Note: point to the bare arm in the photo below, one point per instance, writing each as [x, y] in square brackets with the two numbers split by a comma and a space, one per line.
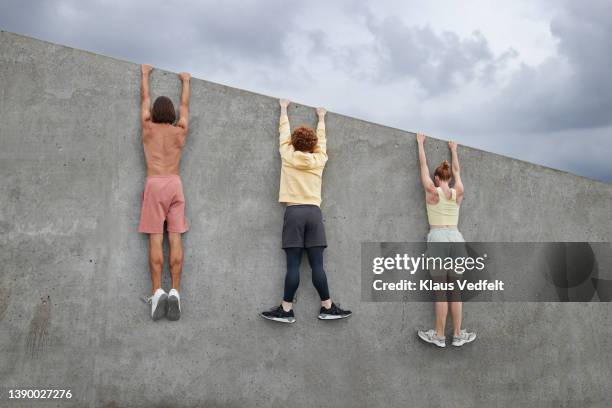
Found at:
[428, 184]
[456, 171]
[183, 121]
[145, 98]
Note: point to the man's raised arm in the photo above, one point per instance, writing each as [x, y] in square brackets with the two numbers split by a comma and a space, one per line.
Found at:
[145, 98]
[183, 121]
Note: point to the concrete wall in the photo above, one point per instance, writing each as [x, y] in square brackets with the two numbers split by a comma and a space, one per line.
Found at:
[72, 265]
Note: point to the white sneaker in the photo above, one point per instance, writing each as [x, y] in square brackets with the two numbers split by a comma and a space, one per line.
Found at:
[174, 305]
[464, 337]
[159, 304]
[431, 337]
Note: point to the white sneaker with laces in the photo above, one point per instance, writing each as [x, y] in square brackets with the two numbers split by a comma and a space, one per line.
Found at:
[431, 337]
[159, 304]
[464, 337]
[174, 305]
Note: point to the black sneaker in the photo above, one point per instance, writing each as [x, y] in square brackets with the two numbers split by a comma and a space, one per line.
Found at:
[333, 313]
[278, 314]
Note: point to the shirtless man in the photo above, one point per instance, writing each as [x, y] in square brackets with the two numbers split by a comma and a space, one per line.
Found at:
[163, 198]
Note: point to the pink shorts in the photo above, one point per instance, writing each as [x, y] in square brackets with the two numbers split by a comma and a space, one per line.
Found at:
[163, 200]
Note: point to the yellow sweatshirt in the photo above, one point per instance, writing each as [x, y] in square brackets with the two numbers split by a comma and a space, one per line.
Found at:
[301, 173]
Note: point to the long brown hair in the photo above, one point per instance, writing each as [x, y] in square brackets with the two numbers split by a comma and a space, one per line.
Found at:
[163, 111]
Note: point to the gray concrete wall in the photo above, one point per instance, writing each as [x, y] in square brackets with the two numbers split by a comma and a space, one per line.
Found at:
[72, 265]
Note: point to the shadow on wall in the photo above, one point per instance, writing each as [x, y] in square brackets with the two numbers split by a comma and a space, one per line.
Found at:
[574, 269]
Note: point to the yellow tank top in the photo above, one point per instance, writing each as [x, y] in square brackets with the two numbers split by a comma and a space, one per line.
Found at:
[446, 211]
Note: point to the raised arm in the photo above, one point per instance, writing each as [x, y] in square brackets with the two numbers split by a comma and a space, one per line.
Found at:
[320, 149]
[183, 121]
[145, 98]
[428, 184]
[284, 129]
[456, 171]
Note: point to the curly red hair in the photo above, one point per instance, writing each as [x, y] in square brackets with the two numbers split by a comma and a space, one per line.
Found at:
[304, 139]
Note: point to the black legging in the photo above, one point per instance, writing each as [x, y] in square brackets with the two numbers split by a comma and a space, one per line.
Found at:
[292, 279]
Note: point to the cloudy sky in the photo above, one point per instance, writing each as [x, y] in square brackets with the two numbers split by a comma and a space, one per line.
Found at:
[531, 79]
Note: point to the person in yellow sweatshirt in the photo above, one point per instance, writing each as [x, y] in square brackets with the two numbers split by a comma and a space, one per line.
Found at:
[303, 156]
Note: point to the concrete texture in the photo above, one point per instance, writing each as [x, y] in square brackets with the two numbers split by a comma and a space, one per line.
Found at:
[73, 266]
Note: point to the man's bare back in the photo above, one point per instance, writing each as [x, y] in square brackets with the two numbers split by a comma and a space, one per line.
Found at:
[163, 145]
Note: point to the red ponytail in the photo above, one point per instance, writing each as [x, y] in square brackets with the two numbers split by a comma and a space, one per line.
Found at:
[443, 171]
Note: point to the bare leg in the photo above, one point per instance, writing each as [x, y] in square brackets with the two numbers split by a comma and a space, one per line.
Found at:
[441, 312]
[156, 259]
[456, 315]
[287, 306]
[176, 259]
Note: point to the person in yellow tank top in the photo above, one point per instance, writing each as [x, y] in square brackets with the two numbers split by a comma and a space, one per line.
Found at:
[444, 239]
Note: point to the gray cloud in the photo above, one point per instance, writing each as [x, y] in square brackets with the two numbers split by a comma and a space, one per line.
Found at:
[438, 62]
[570, 90]
[217, 35]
